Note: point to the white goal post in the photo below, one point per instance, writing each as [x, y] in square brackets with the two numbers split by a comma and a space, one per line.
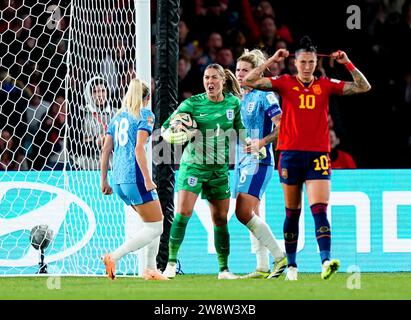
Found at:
[65, 68]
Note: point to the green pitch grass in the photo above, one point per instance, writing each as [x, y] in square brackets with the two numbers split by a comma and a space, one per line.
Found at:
[206, 287]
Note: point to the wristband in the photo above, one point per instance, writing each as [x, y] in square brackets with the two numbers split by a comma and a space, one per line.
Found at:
[350, 66]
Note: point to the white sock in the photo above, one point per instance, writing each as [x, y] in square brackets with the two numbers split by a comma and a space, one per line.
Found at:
[147, 234]
[261, 254]
[262, 232]
[151, 254]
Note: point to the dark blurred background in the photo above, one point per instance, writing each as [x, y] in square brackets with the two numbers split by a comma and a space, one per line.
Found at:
[373, 127]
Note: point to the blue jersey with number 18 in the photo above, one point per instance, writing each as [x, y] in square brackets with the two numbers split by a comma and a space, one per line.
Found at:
[124, 128]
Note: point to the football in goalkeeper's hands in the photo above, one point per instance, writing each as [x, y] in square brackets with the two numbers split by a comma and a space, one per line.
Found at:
[183, 122]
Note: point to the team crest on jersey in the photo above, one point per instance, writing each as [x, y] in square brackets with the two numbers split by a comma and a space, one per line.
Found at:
[271, 98]
[150, 121]
[284, 173]
[250, 107]
[317, 89]
[192, 181]
[230, 114]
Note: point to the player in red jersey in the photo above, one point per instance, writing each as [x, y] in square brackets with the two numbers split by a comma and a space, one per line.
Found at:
[304, 142]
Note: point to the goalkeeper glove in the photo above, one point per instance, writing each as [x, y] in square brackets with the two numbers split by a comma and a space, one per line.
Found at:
[174, 137]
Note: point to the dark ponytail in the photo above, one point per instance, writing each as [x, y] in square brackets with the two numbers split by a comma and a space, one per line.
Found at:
[306, 45]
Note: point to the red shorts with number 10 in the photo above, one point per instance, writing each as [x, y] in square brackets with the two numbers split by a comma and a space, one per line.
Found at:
[295, 167]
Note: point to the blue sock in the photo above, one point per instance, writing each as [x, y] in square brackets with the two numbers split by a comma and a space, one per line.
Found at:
[290, 229]
[322, 230]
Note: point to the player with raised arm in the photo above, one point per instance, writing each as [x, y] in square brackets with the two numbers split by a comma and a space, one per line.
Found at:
[205, 161]
[127, 135]
[259, 111]
[304, 142]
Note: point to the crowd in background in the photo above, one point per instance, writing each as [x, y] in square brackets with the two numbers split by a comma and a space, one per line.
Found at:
[34, 103]
[368, 126]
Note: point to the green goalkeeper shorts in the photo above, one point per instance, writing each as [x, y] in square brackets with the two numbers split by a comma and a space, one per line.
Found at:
[213, 185]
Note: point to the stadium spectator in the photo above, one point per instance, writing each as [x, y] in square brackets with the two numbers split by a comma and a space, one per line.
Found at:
[5, 138]
[248, 23]
[258, 110]
[187, 44]
[12, 153]
[13, 158]
[47, 151]
[289, 67]
[339, 158]
[265, 9]
[188, 80]
[184, 67]
[6, 152]
[115, 64]
[237, 41]
[212, 10]
[37, 109]
[305, 100]
[89, 124]
[269, 37]
[206, 171]
[14, 97]
[127, 136]
[251, 17]
[214, 43]
[225, 58]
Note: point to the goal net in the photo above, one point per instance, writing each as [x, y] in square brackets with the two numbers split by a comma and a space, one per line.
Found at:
[65, 67]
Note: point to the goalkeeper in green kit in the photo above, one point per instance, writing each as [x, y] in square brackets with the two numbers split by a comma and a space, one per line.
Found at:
[205, 161]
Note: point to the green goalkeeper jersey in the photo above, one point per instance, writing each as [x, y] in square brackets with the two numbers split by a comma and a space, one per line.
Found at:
[219, 124]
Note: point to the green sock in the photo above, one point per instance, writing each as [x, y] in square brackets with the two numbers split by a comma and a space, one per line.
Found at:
[222, 246]
[177, 232]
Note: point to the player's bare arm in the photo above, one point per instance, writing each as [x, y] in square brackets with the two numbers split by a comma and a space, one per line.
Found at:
[141, 158]
[253, 146]
[105, 155]
[254, 80]
[360, 83]
[273, 136]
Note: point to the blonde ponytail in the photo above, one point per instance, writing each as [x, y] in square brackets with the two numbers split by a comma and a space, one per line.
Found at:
[132, 101]
[254, 57]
